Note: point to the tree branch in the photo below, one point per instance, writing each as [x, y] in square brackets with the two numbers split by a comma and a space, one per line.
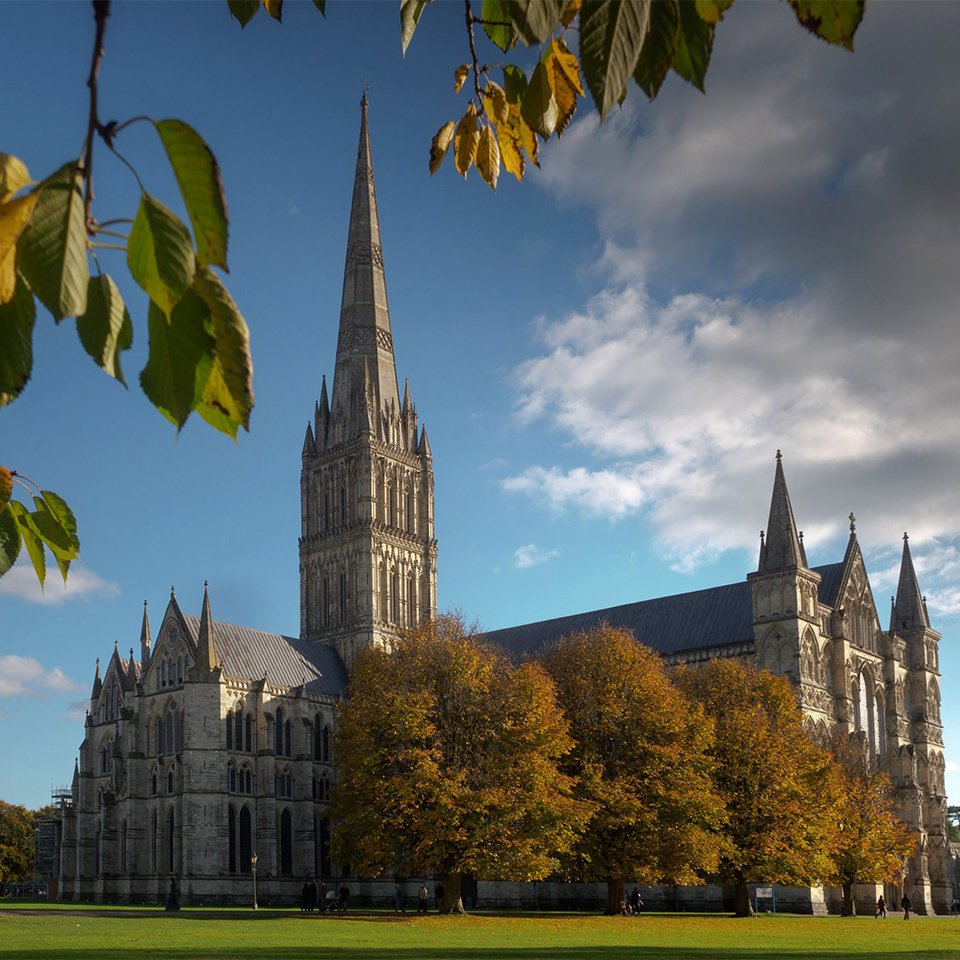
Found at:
[101, 10]
[473, 53]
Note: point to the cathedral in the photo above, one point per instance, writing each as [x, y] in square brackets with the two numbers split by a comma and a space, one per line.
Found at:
[209, 760]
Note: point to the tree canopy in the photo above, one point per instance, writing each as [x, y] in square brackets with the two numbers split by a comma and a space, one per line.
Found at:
[449, 763]
[16, 842]
[640, 760]
[869, 842]
[775, 783]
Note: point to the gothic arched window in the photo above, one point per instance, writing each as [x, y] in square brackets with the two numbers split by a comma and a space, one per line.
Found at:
[278, 733]
[285, 834]
[231, 839]
[246, 839]
[171, 859]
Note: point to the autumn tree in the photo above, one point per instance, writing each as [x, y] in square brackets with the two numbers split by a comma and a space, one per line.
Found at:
[640, 760]
[54, 245]
[16, 843]
[772, 778]
[869, 841]
[449, 763]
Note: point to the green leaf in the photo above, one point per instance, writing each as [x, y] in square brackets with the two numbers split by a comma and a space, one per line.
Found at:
[63, 545]
[52, 251]
[105, 329]
[53, 504]
[835, 21]
[181, 357]
[694, 47]
[9, 541]
[244, 10]
[159, 253]
[14, 176]
[228, 396]
[16, 343]
[514, 83]
[198, 176]
[539, 108]
[611, 38]
[533, 20]
[712, 11]
[496, 24]
[31, 540]
[410, 12]
[659, 48]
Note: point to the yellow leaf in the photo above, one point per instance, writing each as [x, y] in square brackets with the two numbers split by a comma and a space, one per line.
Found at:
[274, 8]
[564, 93]
[440, 145]
[568, 63]
[570, 11]
[511, 148]
[465, 141]
[13, 218]
[13, 176]
[488, 157]
[528, 138]
[495, 102]
[6, 487]
[460, 76]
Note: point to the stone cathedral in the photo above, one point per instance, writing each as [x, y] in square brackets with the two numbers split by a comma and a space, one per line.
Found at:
[217, 743]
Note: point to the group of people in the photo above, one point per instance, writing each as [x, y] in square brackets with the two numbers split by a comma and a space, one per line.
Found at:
[423, 897]
[314, 896]
[631, 903]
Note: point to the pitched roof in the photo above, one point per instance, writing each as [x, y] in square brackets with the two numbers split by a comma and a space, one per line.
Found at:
[687, 621]
[284, 661]
[830, 576]
[716, 617]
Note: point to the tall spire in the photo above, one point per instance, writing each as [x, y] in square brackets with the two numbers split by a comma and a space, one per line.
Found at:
[145, 638]
[97, 683]
[782, 549]
[365, 334]
[206, 653]
[909, 609]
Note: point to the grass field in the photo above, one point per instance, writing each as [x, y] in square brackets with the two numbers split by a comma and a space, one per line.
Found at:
[271, 935]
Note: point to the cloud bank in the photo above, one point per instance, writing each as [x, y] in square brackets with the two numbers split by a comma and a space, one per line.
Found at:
[779, 260]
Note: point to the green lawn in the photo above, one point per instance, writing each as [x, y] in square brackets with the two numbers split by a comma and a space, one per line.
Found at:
[271, 935]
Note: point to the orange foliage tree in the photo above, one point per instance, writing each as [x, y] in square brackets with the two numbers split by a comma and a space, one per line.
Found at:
[775, 783]
[449, 764]
[641, 762]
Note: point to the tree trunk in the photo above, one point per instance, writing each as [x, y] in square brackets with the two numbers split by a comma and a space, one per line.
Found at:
[742, 907]
[614, 897]
[452, 901]
[849, 906]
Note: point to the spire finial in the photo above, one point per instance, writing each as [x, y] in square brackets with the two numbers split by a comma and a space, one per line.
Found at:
[116, 645]
[779, 456]
[800, 534]
[173, 594]
[905, 537]
[853, 522]
[761, 538]
[363, 99]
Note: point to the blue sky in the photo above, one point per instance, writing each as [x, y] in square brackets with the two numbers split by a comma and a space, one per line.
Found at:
[606, 358]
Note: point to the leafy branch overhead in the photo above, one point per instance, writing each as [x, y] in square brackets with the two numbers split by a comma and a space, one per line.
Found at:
[618, 40]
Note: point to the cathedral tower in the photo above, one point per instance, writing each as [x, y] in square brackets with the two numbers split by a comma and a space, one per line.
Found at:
[368, 557]
[785, 599]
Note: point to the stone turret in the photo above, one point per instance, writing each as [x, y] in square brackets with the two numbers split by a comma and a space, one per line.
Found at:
[785, 601]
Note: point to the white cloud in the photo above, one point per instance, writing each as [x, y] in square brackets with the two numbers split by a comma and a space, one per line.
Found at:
[781, 263]
[951, 766]
[21, 582]
[530, 555]
[27, 677]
